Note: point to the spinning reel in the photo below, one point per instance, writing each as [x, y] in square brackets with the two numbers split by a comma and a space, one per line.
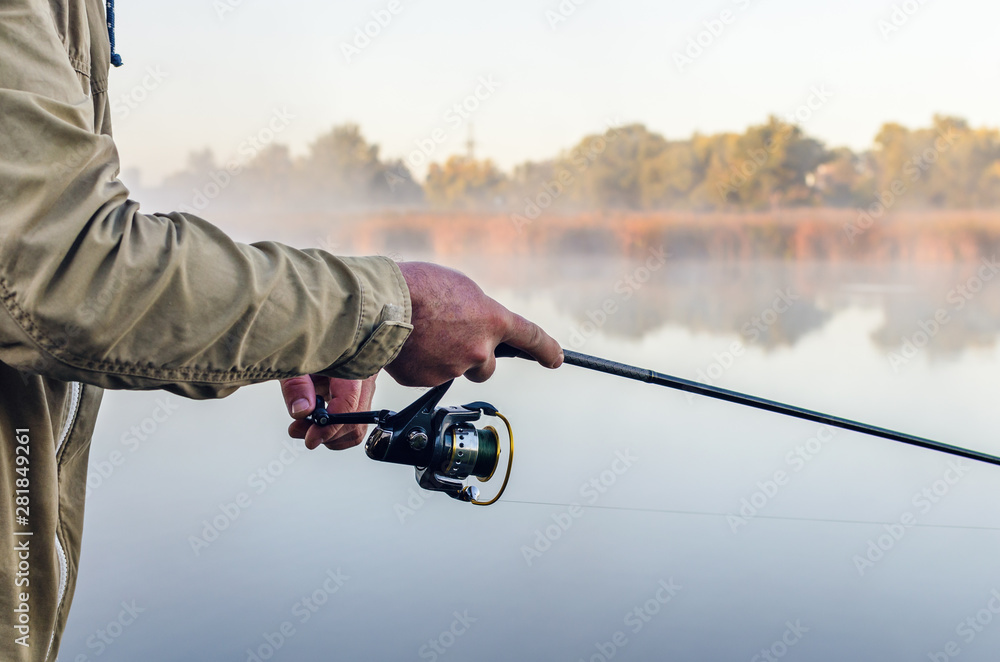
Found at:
[445, 447]
[443, 444]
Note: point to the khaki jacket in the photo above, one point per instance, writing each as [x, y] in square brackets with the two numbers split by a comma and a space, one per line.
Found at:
[95, 294]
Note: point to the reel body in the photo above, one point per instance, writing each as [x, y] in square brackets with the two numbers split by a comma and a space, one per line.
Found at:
[443, 444]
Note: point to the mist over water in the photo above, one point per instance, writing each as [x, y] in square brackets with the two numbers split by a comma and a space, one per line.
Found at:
[704, 530]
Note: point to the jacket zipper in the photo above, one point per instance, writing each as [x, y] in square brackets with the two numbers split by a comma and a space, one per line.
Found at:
[76, 390]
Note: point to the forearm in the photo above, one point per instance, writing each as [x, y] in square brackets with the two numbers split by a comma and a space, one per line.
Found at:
[93, 290]
[136, 301]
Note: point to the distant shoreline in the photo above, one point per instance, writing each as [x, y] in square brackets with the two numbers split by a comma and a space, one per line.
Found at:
[812, 234]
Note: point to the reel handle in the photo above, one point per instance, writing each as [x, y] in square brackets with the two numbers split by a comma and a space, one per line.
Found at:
[320, 416]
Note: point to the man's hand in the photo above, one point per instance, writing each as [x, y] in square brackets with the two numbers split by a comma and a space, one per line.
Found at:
[456, 329]
[342, 395]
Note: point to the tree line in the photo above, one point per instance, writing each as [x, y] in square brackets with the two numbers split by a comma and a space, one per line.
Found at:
[947, 165]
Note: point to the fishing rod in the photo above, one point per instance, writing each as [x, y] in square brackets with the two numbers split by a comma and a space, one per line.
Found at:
[659, 379]
[445, 446]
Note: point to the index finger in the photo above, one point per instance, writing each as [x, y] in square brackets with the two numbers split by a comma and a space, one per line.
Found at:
[530, 338]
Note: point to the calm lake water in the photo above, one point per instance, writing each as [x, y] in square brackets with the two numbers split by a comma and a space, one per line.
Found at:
[705, 531]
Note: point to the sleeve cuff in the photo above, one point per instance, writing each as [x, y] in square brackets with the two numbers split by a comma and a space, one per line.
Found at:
[384, 322]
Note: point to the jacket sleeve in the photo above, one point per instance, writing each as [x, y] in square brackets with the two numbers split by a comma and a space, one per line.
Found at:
[93, 290]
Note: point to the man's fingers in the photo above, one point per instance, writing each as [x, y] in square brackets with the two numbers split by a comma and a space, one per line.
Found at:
[298, 429]
[346, 396]
[367, 394]
[483, 371]
[352, 438]
[317, 435]
[300, 395]
[529, 337]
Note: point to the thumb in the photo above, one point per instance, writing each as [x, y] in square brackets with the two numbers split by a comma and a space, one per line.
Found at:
[530, 338]
[300, 395]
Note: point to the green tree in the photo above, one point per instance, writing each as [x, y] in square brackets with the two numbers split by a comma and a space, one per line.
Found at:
[463, 183]
[342, 164]
[846, 179]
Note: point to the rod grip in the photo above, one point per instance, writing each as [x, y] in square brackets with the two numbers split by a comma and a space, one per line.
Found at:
[505, 351]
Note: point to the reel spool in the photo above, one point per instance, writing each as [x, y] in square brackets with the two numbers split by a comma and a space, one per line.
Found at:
[443, 444]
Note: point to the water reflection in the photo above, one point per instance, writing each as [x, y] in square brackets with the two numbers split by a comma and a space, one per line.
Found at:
[534, 579]
[735, 298]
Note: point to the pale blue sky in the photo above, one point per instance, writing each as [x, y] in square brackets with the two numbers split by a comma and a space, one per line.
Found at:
[225, 76]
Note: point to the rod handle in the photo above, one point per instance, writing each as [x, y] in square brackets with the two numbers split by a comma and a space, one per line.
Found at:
[505, 351]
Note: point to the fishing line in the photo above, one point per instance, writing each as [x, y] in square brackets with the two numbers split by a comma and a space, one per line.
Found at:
[704, 513]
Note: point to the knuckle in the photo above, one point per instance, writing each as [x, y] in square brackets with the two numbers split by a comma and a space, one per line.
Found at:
[479, 356]
[330, 432]
[480, 374]
[537, 336]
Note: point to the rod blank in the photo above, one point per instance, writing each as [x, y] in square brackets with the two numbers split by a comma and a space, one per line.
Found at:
[660, 379]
